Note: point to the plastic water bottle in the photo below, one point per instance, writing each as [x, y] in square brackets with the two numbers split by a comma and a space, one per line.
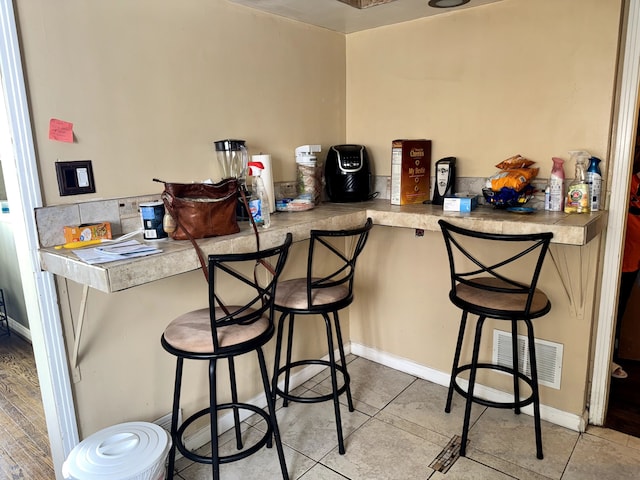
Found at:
[259, 206]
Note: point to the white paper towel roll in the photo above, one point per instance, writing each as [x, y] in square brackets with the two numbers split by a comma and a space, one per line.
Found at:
[267, 178]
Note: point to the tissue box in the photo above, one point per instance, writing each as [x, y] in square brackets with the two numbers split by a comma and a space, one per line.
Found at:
[461, 203]
[87, 231]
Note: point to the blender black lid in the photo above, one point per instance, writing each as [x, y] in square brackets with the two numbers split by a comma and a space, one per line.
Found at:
[226, 145]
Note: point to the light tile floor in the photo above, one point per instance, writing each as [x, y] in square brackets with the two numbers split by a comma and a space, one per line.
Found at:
[399, 427]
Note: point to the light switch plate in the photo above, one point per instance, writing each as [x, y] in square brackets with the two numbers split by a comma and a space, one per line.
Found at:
[75, 178]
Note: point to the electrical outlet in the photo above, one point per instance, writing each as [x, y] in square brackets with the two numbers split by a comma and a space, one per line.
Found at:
[129, 207]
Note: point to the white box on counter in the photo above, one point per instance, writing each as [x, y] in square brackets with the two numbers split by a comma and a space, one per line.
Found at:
[460, 203]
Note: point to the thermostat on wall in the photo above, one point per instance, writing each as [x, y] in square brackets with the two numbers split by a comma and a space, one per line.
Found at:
[75, 178]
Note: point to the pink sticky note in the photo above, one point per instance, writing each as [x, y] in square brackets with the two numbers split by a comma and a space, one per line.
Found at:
[60, 130]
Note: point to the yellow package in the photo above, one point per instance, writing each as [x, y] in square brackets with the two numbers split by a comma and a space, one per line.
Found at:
[517, 178]
[87, 231]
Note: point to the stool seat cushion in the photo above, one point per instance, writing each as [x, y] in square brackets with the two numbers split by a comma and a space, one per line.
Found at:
[191, 332]
[484, 298]
[292, 294]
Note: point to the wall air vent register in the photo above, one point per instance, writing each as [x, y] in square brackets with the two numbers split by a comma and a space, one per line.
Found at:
[548, 356]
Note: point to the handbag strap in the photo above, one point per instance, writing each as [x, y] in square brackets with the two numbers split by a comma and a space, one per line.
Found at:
[167, 199]
[243, 190]
[262, 262]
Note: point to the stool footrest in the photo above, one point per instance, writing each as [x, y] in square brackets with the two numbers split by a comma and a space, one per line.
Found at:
[490, 403]
[245, 452]
[318, 398]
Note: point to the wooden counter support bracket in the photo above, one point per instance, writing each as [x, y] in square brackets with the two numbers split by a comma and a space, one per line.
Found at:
[75, 369]
[574, 280]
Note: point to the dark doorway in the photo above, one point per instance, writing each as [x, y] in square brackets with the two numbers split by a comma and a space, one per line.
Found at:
[623, 411]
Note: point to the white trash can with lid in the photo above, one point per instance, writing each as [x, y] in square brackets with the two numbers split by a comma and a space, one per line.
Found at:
[128, 451]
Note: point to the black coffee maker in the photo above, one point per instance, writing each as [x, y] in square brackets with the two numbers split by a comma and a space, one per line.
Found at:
[347, 173]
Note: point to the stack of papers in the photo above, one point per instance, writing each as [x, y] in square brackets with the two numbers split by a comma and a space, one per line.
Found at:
[117, 251]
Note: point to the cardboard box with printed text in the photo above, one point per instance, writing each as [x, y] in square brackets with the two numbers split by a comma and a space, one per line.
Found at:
[410, 171]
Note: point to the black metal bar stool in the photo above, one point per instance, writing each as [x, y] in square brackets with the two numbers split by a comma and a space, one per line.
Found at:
[4, 320]
[320, 294]
[225, 331]
[486, 287]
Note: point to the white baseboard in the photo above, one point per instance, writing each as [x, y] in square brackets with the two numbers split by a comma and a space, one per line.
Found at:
[20, 329]
[558, 417]
[550, 414]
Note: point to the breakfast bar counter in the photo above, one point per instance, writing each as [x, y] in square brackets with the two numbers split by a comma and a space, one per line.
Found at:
[179, 256]
[572, 244]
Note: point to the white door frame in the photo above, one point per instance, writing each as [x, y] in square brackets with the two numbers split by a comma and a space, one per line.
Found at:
[23, 193]
[23, 190]
[622, 153]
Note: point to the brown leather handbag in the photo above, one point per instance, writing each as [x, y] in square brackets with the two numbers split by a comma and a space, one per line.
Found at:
[202, 210]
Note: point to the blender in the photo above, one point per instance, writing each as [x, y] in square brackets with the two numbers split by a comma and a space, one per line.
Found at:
[232, 158]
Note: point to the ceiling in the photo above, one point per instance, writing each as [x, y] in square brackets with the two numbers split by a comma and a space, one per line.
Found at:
[340, 17]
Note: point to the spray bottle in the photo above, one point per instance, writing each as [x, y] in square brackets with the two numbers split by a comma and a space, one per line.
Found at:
[259, 205]
[594, 179]
[578, 200]
[556, 186]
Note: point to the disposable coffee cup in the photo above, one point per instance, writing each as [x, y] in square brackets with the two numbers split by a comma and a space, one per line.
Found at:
[152, 214]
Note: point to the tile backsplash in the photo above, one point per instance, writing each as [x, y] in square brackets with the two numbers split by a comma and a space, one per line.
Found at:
[470, 185]
[122, 213]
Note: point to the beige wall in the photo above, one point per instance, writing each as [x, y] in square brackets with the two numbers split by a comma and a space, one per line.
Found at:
[535, 78]
[150, 84]
[406, 312]
[518, 76]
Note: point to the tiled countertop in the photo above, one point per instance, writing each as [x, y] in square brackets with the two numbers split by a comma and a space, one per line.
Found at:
[179, 256]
